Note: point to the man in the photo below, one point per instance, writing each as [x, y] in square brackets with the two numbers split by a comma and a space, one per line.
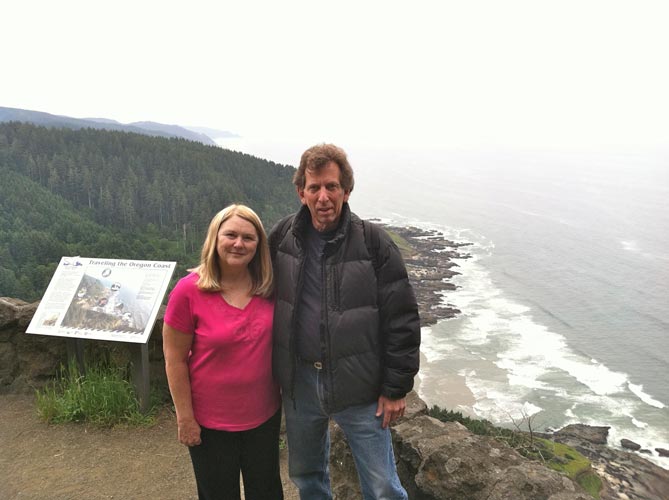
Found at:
[346, 331]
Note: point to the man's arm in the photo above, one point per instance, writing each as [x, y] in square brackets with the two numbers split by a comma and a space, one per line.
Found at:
[400, 327]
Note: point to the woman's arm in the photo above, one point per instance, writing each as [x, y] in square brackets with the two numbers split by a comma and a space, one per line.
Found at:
[176, 346]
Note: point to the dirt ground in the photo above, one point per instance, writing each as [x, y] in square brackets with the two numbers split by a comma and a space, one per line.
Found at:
[73, 461]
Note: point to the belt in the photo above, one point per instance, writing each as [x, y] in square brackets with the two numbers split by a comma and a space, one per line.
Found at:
[316, 364]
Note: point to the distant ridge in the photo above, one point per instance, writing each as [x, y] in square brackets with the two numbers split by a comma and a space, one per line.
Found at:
[145, 128]
[214, 133]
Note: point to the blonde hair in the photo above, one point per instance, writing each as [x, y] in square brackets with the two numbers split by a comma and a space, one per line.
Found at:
[260, 267]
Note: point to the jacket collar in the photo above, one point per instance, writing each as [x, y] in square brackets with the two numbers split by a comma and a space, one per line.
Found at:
[303, 217]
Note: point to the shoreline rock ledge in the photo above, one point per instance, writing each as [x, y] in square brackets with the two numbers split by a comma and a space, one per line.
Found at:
[625, 474]
[430, 263]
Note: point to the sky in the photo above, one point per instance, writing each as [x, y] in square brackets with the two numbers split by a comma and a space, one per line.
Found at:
[421, 74]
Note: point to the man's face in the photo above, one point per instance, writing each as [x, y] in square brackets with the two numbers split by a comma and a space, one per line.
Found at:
[324, 196]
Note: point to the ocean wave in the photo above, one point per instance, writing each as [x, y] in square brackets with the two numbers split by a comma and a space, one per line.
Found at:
[638, 391]
[432, 348]
[524, 348]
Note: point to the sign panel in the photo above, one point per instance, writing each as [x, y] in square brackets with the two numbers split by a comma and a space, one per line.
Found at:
[103, 299]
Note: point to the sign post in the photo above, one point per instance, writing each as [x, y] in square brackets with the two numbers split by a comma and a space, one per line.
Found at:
[140, 375]
[105, 299]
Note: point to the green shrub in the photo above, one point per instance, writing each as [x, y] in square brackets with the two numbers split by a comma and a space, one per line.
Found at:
[102, 396]
[480, 427]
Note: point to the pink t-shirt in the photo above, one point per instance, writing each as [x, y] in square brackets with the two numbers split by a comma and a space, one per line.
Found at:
[230, 361]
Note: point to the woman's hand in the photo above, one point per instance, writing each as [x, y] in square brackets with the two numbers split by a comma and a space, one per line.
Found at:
[189, 432]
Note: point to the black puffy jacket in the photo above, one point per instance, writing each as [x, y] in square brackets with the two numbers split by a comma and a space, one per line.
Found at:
[370, 329]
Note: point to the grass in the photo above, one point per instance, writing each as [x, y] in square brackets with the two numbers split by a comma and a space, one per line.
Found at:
[570, 462]
[103, 397]
[556, 456]
[404, 246]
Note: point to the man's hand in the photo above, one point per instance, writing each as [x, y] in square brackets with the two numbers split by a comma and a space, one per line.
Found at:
[391, 409]
[189, 432]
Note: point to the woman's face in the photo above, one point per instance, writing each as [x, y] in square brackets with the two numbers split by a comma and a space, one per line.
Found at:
[236, 243]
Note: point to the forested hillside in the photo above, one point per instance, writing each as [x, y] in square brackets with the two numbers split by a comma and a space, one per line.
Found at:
[120, 195]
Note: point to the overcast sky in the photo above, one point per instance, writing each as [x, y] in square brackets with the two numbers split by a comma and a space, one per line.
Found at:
[459, 74]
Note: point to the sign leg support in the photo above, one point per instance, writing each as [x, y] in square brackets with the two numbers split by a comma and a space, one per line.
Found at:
[75, 352]
[140, 375]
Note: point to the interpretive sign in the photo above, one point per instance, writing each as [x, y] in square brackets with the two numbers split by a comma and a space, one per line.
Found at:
[103, 299]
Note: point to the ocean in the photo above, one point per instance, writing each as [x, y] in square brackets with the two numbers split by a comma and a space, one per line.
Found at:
[565, 299]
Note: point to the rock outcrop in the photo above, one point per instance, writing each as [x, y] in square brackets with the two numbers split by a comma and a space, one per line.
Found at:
[26, 361]
[438, 460]
[443, 461]
[626, 475]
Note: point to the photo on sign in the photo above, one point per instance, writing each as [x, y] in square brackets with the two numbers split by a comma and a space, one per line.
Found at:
[105, 303]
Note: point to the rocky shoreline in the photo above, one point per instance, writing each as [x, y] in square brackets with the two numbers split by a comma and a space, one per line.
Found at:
[430, 266]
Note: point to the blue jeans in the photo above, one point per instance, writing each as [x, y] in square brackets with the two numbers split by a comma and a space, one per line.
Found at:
[309, 443]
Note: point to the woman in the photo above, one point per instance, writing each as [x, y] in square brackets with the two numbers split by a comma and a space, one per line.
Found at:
[217, 339]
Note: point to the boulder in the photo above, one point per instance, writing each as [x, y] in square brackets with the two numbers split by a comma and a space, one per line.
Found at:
[437, 460]
[8, 308]
[581, 432]
[630, 445]
[440, 460]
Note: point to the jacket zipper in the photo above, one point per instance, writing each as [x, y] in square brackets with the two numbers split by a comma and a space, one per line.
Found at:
[325, 332]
